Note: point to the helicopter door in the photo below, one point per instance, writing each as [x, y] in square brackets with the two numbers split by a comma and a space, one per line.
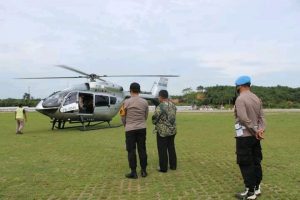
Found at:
[102, 105]
[70, 104]
[86, 103]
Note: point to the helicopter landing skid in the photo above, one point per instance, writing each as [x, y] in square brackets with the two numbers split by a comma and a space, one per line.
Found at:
[60, 124]
[96, 127]
[85, 125]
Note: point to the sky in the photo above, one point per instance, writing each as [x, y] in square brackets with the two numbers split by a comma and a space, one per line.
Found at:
[206, 42]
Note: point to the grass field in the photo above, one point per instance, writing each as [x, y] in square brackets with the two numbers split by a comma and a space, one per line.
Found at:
[71, 164]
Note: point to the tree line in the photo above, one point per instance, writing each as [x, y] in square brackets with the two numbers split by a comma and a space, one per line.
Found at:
[26, 100]
[224, 96]
[214, 96]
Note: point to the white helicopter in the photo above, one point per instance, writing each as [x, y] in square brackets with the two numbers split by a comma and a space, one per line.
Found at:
[91, 101]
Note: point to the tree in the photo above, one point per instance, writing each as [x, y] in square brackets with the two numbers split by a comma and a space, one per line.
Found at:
[200, 88]
[187, 90]
[26, 96]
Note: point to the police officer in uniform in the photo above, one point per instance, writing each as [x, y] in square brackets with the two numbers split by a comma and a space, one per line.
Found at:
[134, 113]
[249, 127]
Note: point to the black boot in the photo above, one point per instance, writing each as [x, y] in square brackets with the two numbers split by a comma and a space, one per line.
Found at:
[160, 170]
[144, 173]
[132, 175]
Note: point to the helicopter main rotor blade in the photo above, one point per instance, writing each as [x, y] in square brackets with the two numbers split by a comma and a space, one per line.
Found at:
[160, 75]
[72, 69]
[92, 77]
[55, 77]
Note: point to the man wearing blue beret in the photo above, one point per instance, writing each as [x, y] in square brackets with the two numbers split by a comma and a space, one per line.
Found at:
[249, 128]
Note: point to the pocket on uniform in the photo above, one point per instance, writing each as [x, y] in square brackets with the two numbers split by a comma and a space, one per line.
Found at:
[244, 157]
[257, 155]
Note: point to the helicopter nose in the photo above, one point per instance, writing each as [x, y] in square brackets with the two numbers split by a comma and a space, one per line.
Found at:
[39, 105]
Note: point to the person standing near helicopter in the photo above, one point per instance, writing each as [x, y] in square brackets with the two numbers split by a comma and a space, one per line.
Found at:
[164, 119]
[134, 114]
[250, 126]
[20, 116]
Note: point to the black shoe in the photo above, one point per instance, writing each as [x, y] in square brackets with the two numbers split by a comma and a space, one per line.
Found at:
[131, 175]
[172, 168]
[162, 171]
[144, 173]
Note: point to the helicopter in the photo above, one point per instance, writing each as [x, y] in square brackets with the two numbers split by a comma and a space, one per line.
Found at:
[93, 102]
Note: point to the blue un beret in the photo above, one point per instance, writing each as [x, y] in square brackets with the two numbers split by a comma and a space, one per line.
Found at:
[242, 80]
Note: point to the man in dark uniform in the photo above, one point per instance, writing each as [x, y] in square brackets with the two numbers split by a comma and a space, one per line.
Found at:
[134, 113]
[249, 127]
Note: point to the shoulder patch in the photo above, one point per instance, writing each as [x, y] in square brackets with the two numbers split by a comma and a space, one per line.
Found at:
[122, 111]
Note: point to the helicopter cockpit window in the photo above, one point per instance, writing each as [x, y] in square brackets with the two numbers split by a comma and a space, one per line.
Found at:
[113, 100]
[55, 99]
[71, 98]
[101, 100]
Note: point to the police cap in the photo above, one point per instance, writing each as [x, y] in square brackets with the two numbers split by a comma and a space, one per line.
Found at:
[243, 80]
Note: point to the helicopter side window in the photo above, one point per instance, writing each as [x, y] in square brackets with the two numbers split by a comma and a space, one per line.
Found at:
[85, 102]
[113, 100]
[101, 100]
[71, 98]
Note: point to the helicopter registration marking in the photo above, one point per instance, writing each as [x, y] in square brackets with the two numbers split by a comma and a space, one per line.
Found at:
[70, 107]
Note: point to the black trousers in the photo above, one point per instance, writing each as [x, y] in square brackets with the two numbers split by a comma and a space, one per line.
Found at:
[136, 138]
[166, 152]
[249, 157]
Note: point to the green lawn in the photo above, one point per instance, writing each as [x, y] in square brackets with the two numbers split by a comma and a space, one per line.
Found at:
[71, 164]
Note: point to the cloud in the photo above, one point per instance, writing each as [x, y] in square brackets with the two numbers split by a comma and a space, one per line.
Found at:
[206, 42]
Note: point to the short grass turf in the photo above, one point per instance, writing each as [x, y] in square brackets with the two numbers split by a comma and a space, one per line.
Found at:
[71, 164]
